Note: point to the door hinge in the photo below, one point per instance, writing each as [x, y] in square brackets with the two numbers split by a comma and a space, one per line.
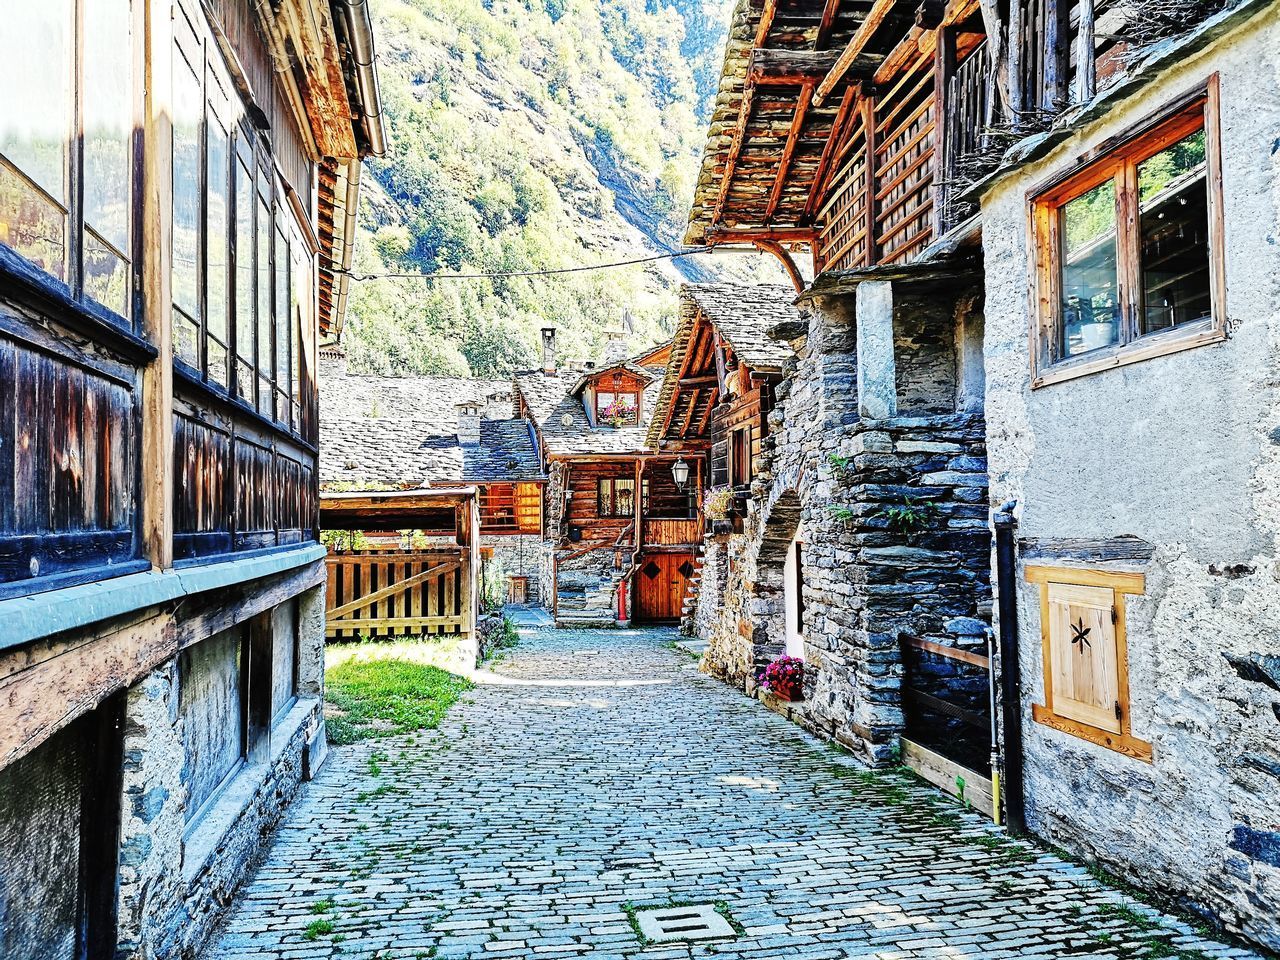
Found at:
[1119, 711]
[1115, 617]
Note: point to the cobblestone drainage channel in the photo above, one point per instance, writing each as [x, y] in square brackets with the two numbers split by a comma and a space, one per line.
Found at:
[699, 921]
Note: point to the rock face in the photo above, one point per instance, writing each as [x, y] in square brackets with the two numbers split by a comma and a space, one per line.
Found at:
[1179, 451]
[892, 514]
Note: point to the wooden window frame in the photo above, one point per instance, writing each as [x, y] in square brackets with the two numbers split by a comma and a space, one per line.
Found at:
[612, 500]
[616, 394]
[740, 461]
[72, 206]
[1121, 584]
[1117, 160]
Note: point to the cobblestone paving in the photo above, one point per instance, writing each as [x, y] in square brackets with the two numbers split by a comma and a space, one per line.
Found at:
[596, 770]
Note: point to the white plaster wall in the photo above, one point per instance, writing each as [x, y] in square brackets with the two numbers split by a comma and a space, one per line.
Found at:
[1180, 451]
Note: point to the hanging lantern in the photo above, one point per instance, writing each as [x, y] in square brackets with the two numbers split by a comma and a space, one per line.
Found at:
[680, 472]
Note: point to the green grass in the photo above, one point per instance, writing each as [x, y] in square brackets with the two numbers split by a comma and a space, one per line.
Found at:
[317, 929]
[384, 689]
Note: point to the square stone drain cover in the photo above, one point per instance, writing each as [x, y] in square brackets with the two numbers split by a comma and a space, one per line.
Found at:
[669, 924]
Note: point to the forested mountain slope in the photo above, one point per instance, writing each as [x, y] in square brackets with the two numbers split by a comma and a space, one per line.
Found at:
[531, 135]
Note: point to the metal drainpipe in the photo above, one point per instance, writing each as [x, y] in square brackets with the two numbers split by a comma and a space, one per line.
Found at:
[1010, 669]
[360, 36]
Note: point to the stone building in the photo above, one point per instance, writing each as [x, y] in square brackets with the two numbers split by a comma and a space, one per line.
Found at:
[401, 433]
[1133, 420]
[172, 205]
[1043, 229]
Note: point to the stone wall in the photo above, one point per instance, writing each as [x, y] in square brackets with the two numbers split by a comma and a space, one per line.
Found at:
[517, 556]
[176, 877]
[1177, 459]
[833, 476]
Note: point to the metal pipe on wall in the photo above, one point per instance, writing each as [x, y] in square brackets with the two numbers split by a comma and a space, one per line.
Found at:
[360, 36]
[1010, 669]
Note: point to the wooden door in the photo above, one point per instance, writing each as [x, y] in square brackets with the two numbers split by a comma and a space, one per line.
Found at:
[660, 586]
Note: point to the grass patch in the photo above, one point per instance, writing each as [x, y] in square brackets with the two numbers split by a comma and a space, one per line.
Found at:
[382, 689]
[321, 906]
[317, 929]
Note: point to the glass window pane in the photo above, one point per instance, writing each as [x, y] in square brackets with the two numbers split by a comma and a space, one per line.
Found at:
[282, 321]
[108, 120]
[35, 121]
[1090, 305]
[106, 275]
[218, 255]
[266, 355]
[1174, 198]
[188, 107]
[36, 60]
[245, 246]
[297, 297]
[32, 224]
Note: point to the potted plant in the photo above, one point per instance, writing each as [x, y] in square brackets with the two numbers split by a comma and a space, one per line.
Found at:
[717, 502]
[784, 678]
[618, 413]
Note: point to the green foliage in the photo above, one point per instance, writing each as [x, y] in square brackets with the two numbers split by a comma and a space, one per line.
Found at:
[842, 513]
[317, 929]
[911, 517]
[378, 693]
[527, 135]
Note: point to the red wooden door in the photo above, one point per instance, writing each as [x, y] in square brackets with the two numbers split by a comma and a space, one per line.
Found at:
[660, 586]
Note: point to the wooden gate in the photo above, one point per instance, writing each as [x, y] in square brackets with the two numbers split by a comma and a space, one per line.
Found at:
[383, 593]
[660, 586]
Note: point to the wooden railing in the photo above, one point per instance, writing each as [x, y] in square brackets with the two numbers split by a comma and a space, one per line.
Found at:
[382, 593]
[661, 533]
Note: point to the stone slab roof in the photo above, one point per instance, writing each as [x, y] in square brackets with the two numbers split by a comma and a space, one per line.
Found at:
[743, 314]
[556, 407]
[403, 431]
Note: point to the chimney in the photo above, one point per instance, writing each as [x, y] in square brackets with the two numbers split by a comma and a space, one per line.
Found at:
[548, 349]
[615, 350]
[468, 423]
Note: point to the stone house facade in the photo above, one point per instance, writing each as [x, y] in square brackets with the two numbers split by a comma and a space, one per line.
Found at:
[172, 209]
[1145, 469]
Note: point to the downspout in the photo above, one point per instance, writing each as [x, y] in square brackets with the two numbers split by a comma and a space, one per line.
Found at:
[1010, 669]
[360, 37]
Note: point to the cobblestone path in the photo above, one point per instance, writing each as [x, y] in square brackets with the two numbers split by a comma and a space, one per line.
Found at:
[596, 770]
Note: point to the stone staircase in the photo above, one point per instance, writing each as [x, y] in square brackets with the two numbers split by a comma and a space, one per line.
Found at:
[689, 604]
[589, 601]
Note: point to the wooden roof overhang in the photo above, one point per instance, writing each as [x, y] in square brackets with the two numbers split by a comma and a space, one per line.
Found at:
[395, 509]
[790, 91]
[695, 382]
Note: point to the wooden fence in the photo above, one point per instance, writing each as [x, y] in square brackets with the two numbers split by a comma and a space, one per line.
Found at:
[383, 593]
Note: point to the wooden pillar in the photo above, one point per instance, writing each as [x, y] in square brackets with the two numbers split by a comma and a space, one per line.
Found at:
[156, 492]
[1086, 64]
[1057, 55]
[944, 65]
[1017, 51]
[868, 108]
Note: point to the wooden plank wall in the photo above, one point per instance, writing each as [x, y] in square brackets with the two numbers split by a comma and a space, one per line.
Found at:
[438, 605]
[581, 510]
[67, 472]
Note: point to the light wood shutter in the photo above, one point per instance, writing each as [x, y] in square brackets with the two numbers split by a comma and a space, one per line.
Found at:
[1084, 656]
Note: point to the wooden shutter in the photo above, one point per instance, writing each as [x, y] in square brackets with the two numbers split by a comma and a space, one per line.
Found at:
[1084, 655]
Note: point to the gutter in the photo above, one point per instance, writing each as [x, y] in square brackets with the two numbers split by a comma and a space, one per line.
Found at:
[360, 42]
[1010, 670]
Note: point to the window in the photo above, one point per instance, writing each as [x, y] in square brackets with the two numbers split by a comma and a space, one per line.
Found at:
[1129, 252]
[85, 242]
[618, 408]
[241, 269]
[740, 456]
[616, 497]
[211, 702]
[1086, 672]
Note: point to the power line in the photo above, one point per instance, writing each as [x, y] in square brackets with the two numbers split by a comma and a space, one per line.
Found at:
[517, 273]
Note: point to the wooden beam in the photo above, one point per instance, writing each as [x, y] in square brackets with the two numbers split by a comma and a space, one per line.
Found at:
[1057, 54]
[688, 416]
[720, 235]
[156, 493]
[1086, 63]
[788, 151]
[944, 65]
[735, 149]
[788, 264]
[829, 10]
[857, 43]
[997, 49]
[816, 191]
[766, 21]
[705, 380]
[788, 67]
